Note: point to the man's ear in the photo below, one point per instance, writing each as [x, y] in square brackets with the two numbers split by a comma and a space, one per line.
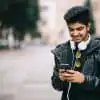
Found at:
[88, 26]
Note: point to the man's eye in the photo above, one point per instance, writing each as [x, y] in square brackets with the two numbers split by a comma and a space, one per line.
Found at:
[80, 28]
[71, 29]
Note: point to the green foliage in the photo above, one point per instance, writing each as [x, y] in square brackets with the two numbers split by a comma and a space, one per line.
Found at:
[21, 14]
[92, 21]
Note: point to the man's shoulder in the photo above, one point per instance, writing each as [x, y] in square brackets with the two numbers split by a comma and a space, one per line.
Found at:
[95, 41]
[60, 47]
[96, 38]
[94, 44]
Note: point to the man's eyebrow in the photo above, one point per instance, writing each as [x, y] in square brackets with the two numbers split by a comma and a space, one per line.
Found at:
[80, 27]
[70, 28]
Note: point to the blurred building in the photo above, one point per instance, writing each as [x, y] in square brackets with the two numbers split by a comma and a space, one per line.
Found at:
[47, 20]
[96, 12]
[52, 25]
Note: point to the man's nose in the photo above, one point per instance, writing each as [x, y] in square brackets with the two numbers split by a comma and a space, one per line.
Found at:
[75, 33]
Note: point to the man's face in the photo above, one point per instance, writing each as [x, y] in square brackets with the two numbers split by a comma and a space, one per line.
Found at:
[78, 32]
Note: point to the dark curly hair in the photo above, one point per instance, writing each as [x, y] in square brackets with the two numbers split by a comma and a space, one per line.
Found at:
[79, 14]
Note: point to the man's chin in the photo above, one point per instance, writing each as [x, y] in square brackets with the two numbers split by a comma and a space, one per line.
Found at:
[77, 41]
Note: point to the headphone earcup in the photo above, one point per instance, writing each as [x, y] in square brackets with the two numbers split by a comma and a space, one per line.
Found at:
[82, 46]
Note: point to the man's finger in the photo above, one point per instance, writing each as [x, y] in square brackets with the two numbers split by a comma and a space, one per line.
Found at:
[70, 71]
[61, 70]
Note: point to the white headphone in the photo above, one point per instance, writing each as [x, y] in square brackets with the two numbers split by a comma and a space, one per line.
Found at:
[81, 46]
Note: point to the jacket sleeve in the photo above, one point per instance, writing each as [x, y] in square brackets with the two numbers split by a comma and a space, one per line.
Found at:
[92, 81]
[56, 82]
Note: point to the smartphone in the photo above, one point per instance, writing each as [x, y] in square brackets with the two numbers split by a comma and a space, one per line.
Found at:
[63, 67]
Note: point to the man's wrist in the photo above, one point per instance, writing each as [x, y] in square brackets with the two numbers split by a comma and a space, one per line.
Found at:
[83, 79]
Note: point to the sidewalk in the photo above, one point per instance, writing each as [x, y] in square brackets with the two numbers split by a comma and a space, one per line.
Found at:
[26, 74]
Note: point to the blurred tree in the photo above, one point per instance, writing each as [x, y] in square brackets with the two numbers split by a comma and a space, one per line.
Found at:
[92, 21]
[33, 13]
[21, 14]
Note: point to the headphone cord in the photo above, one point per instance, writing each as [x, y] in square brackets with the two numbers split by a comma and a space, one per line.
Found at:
[69, 87]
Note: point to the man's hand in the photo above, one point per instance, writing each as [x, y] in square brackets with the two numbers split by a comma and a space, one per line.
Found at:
[71, 76]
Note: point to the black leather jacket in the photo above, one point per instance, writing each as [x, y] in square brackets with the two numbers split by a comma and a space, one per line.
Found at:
[90, 89]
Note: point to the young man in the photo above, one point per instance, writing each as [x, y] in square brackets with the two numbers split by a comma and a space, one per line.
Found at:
[77, 62]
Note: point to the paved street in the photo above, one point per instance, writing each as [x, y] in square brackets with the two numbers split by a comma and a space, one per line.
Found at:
[25, 74]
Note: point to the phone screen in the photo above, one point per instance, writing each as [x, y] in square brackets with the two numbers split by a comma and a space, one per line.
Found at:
[64, 66]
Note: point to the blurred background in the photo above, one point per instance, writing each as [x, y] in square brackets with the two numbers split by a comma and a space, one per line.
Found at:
[29, 30]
